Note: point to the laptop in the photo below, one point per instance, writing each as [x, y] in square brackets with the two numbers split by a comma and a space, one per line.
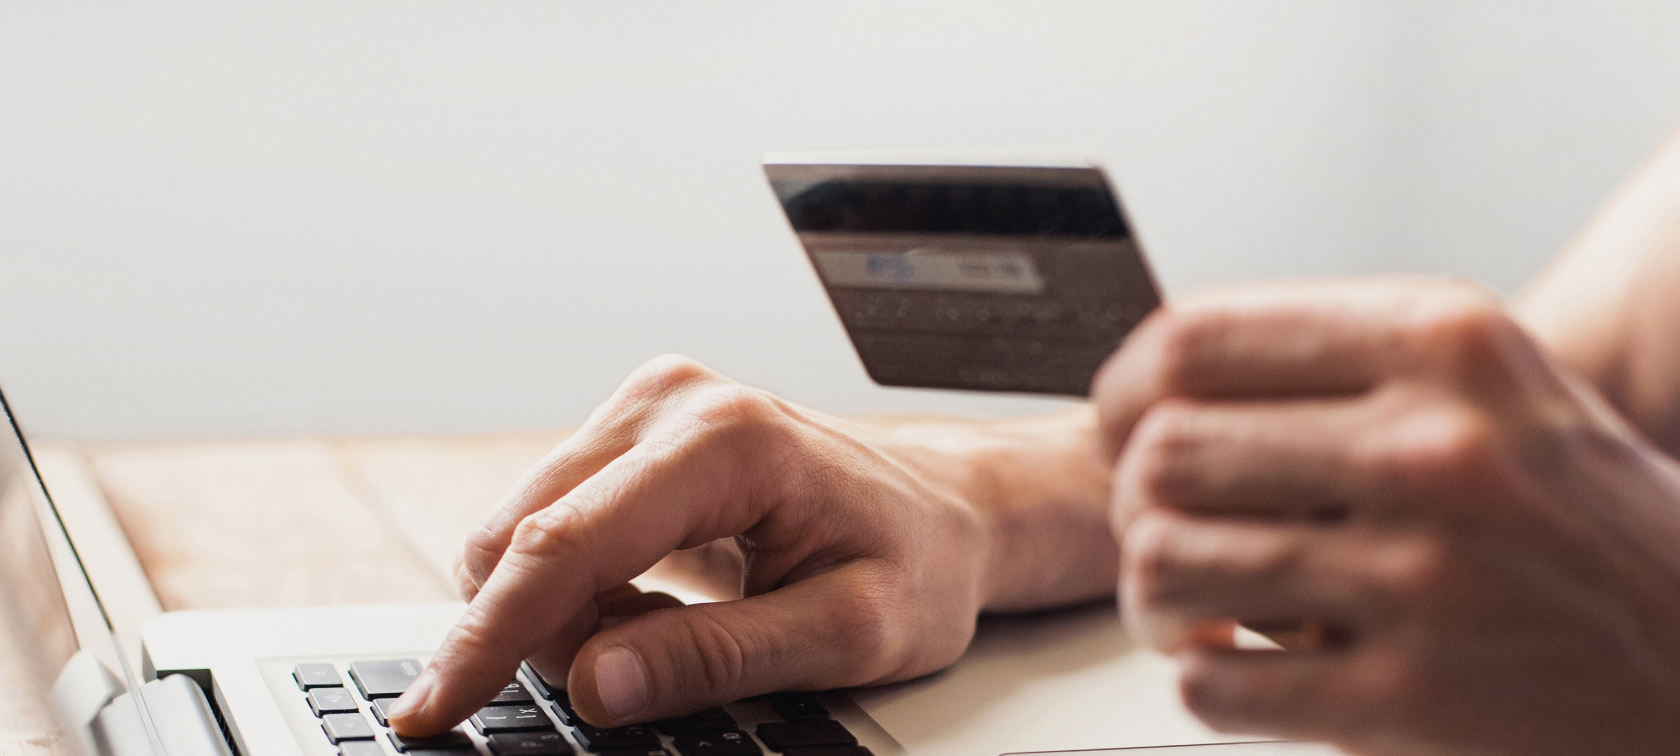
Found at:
[314, 681]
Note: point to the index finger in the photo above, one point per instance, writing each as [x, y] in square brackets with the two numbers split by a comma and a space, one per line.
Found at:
[640, 507]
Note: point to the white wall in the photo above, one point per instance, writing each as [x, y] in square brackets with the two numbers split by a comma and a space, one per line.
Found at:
[1519, 118]
[414, 216]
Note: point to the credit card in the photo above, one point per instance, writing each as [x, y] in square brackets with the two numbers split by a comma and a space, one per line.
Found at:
[984, 276]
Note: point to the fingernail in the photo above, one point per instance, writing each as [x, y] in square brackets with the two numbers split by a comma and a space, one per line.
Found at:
[621, 682]
[415, 698]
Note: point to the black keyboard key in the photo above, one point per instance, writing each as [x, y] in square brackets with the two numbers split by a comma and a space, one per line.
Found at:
[316, 676]
[535, 743]
[548, 689]
[563, 706]
[453, 740]
[341, 727]
[549, 743]
[323, 701]
[717, 743]
[648, 751]
[782, 736]
[513, 693]
[615, 738]
[384, 679]
[830, 751]
[714, 718]
[798, 707]
[381, 707]
[493, 719]
[360, 748]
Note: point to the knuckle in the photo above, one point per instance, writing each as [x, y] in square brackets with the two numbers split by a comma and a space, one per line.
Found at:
[551, 532]
[864, 629]
[663, 375]
[1415, 571]
[1465, 329]
[732, 417]
[732, 405]
[1168, 434]
[483, 549]
[1182, 338]
[1147, 559]
[1388, 679]
[1271, 560]
[1452, 449]
[720, 656]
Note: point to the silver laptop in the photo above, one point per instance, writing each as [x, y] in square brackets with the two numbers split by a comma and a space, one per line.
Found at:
[313, 681]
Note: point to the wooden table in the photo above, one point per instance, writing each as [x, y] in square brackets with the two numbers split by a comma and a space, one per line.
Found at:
[268, 523]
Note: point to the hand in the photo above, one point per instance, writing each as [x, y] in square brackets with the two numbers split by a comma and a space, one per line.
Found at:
[1489, 556]
[863, 553]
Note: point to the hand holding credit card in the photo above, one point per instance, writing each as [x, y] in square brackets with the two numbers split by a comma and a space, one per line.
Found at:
[984, 276]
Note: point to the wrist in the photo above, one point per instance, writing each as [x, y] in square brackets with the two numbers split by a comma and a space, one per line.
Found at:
[1040, 493]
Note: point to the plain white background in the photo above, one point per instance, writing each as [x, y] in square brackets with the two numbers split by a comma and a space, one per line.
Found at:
[382, 217]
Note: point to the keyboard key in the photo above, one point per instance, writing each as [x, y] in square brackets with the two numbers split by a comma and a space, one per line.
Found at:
[830, 751]
[798, 707]
[717, 743]
[711, 719]
[648, 751]
[360, 748]
[384, 679]
[381, 707]
[513, 693]
[782, 736]
[493, 719]
[549, 743]
[341, 727]
[615, 738]
[316, 676]
[568, 715]
[324, 701]
[453, 739]
[547, 688]
[466, 750]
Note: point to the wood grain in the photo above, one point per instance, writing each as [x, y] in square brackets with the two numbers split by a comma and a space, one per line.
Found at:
[438, 489]
[258, 523]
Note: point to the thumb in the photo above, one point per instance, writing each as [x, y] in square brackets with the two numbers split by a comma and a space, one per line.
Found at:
[810, 635]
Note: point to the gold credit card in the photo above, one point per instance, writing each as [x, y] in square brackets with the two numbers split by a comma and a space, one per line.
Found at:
[990, 277]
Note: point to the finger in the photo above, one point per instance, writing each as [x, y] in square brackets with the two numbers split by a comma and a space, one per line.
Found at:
[1276, 340]
[1292, 459]
[640, 507]
[611, 430]
[634, 604]
[1294, 695]
[1182, 576]
[809, 635]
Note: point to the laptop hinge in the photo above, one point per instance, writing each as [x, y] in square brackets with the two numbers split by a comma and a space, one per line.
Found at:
[185, 725]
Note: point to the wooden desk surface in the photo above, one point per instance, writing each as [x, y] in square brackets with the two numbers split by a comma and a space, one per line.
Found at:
[268, 523]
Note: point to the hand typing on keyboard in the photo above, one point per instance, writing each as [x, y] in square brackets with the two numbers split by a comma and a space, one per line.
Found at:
[861, 554]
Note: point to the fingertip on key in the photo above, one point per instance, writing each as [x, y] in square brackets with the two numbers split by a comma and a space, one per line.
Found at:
[409, 715]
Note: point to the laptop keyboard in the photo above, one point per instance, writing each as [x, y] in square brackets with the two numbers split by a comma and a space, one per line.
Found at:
[351, 701]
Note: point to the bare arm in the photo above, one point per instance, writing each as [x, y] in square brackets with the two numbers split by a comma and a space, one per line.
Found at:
[1610, 306]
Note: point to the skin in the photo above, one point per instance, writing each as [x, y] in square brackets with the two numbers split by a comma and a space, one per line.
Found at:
[1468, 512]
[863, 553]
[1481, 549]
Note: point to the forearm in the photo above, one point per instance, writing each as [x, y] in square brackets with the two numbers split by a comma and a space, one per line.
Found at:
[1043, 494]
[1610, 306]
